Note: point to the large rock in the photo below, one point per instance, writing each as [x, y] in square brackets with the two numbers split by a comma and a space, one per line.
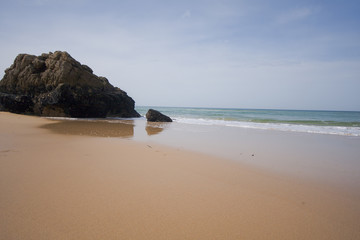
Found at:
[156, 116]
[55, 84]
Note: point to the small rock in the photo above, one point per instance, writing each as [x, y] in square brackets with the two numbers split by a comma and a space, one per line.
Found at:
[156, 116]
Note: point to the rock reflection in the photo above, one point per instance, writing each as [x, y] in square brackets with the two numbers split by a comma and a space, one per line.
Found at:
[95, 128]
[153, 128]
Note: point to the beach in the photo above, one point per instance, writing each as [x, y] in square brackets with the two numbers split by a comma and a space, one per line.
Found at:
[62, 179]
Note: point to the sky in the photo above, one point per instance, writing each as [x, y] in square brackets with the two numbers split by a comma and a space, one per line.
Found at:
[268, 54]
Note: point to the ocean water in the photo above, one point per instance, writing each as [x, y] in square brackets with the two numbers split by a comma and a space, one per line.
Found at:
[344, 123]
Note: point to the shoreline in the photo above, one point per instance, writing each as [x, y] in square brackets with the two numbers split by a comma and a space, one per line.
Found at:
[56, 186]
[329, 159]
[302, 121]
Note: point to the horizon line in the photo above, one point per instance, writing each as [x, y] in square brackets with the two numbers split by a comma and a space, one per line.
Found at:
[245, 108]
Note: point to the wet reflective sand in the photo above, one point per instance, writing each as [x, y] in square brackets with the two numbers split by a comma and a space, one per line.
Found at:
[97, 128]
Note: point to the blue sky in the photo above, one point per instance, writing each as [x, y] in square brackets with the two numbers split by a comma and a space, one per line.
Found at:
[245, 54]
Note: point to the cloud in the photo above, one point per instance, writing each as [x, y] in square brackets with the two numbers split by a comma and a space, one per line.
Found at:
[186, 14]
[294, 15]
[219, 49]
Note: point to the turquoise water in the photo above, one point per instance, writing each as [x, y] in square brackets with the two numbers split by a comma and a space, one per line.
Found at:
[322, 122]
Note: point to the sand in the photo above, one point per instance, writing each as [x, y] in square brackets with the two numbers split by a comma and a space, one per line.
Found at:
[67, 186]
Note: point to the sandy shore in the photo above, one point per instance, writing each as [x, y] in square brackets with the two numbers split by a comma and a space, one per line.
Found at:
[63, 186]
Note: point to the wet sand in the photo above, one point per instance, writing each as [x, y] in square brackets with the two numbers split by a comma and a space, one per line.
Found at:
[73, 181]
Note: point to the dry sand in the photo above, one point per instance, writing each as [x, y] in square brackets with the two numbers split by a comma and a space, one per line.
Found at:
[58, 186]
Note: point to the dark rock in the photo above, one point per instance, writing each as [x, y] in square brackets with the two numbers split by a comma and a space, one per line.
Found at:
[156, 116]
[17, 103]
[55, 84]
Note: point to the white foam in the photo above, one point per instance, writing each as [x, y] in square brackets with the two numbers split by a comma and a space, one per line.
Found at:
[333, 130]
[64, 118]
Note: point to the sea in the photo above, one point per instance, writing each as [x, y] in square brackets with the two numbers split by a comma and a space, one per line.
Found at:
[345, 123]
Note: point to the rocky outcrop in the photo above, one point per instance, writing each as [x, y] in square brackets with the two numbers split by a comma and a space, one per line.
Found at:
[57, 85]
[156, 116]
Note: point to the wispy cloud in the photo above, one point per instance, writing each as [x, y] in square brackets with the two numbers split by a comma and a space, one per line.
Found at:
[294, 15]
[42, 3]
[186, 14]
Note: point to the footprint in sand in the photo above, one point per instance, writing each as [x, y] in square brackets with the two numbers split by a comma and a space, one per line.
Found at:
[4, 152]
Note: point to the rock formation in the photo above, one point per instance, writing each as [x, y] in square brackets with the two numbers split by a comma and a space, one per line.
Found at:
[156, 116]
[57, 85]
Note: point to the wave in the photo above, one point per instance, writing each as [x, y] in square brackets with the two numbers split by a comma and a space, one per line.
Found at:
[333, 128]
[309, 122]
